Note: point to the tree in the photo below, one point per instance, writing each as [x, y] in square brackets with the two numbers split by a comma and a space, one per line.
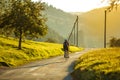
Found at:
[25, 19]
[114, 42]
[5, 5]
[113, 4]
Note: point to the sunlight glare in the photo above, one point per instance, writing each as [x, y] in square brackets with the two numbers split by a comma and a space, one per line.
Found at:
[75, 5]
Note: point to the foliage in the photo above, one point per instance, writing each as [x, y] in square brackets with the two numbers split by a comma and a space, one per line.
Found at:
[51, 40]
[51, 34]
[4, 6]
[24, 19]
[114, 42]
[9, 54]
[113, 4]
[103, 64]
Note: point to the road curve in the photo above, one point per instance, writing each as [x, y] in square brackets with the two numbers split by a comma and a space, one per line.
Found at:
[49, 69]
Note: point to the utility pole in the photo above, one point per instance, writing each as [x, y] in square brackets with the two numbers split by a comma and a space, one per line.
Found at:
[72, 31]
[77, 31]
[105, 28]
[74, 35]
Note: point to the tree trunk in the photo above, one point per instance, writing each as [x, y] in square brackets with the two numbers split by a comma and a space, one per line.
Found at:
[20, 38]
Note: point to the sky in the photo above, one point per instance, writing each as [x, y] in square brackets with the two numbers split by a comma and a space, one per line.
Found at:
[75, 5]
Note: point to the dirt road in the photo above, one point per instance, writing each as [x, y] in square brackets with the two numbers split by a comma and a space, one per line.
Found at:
[50, 69]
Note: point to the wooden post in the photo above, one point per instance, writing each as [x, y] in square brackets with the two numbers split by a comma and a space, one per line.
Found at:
[105, 29]
[72, 30]
[74, 36]
[77, 31]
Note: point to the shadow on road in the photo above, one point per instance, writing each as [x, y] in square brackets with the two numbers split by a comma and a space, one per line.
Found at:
[41, 64]
[70, 69]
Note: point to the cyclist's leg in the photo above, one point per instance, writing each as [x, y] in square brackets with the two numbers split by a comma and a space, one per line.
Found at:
[65, 55]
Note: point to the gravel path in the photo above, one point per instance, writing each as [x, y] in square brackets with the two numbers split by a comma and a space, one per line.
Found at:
[50, 69]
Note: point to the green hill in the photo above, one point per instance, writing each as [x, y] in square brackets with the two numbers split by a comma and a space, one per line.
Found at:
[61, 22]
[31, 50]
[51, 36]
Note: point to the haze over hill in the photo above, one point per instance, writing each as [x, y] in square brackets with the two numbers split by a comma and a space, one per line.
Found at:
[91, 25]
[59, 24]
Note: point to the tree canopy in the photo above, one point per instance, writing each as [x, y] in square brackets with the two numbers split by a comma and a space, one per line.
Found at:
[113, 4]
[25, 19]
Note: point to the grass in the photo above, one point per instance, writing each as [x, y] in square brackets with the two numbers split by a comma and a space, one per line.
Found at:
[10, 55]
[103, 64]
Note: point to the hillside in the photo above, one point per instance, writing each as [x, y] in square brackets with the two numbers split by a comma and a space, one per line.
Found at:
[10, 56]
[92, 25]
[59, 24]
[59, 21]
[51, 36]
[101, 64]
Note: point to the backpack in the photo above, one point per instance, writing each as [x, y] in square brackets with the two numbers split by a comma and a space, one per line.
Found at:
[66, 45]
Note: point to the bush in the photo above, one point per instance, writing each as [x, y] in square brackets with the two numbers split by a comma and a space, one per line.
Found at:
[114, 42]
[51, 40]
